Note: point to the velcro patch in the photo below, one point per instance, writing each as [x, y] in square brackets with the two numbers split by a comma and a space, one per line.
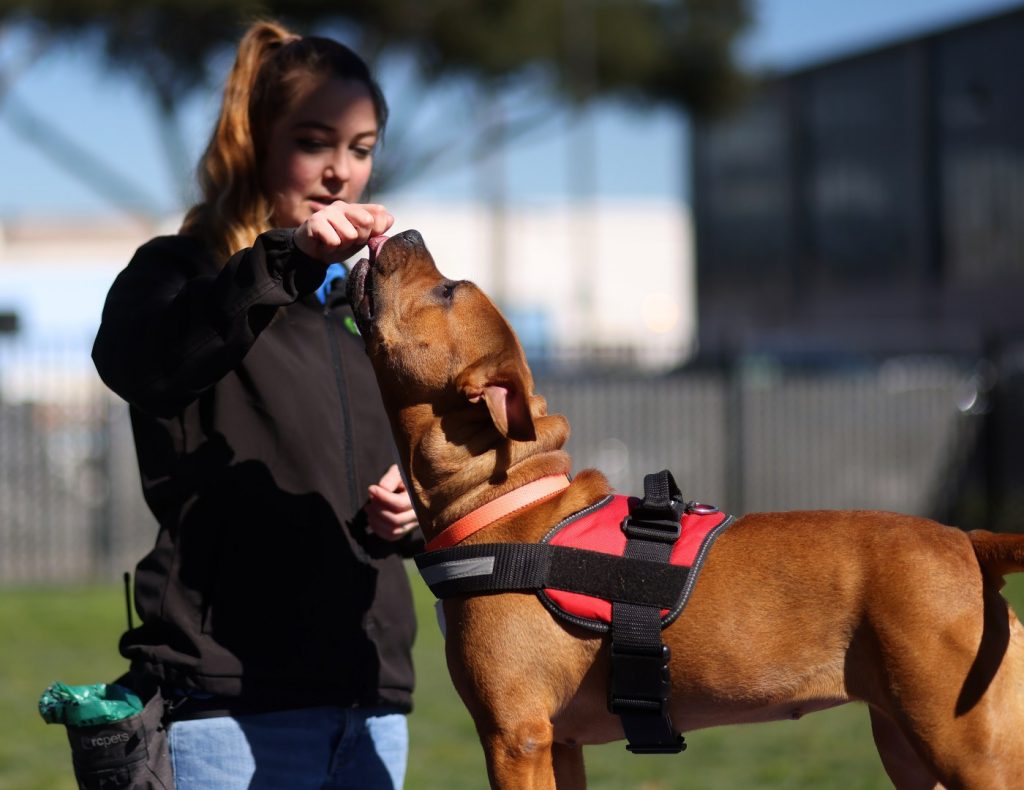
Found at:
[599, 529]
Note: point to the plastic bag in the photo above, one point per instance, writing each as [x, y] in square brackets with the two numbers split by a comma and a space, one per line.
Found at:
[83, 706]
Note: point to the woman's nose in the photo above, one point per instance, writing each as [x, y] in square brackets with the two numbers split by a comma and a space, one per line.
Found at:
[337, 170]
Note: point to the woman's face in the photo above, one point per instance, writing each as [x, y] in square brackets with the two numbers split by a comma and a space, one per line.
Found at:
[320, 151]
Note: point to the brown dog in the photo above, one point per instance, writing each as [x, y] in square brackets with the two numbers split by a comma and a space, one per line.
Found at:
[794, 612]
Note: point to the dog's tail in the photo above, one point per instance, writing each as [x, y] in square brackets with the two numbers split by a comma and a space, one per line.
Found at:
[998, 554]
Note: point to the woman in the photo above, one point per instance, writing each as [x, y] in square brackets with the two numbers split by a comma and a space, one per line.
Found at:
[275, 608]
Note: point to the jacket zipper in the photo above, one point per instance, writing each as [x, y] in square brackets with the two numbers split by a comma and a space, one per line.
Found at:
[346, 422]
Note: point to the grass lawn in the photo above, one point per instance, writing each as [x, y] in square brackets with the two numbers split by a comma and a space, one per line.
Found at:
[70, 634]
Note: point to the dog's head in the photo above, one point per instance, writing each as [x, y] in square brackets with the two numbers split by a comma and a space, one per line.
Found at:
[453, 378]
[432, 339]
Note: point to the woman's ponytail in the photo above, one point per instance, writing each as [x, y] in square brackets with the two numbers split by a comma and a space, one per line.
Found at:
[232, 210]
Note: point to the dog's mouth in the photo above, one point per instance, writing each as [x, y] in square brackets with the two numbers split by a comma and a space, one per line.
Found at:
[361, 285]
[360, 290]
[374, 244]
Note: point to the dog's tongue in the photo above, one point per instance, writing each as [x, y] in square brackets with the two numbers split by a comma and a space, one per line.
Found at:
[374, 244]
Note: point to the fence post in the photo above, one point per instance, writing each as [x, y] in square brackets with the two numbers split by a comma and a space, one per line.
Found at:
[735, 434]
[102, 503]
[991, 456]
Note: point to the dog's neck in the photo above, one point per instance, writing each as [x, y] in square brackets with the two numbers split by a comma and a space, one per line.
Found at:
[514, 501]
[452, 474]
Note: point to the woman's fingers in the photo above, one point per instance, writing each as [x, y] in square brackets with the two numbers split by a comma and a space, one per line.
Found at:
[389, 512]
[382, 220]
[392, 480]
[394, 501]
[337, 231]
[389, 524]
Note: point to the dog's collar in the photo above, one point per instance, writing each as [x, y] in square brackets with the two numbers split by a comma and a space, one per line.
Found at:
[506, 504]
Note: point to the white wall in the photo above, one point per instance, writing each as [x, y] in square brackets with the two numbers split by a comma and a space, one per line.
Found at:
[595, 275]
[605, 274]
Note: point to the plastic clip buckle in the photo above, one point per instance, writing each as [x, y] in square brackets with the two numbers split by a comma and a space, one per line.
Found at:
[674, 747]
[660, 530]
[640, 681]
[640, 686]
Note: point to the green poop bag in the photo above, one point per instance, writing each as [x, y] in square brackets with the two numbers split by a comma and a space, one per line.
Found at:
[83, 706]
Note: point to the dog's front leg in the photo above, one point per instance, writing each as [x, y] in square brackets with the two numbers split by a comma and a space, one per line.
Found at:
[520, 754]
[570, 773]
[514, 667]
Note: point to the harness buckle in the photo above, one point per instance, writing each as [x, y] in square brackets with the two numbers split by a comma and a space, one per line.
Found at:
[659, 530]
[639, 691]
[640, 680]
[673, 747]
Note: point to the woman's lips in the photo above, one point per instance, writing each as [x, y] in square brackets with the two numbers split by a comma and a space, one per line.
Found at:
[322, 201]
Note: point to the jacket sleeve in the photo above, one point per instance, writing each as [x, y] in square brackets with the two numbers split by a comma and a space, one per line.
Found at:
[174, 324]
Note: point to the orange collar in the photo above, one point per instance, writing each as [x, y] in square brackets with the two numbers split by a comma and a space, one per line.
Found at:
[506, 504]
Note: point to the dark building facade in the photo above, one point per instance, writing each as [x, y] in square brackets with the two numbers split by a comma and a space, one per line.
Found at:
[873, 204]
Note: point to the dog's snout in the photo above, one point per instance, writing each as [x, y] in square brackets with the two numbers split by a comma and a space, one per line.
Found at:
[412, 238]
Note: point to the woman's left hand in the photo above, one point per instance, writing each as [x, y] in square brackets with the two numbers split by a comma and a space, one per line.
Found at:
[337, 231]
[389, 512]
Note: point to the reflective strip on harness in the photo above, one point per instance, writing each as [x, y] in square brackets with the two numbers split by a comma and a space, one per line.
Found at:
[457, 569]
[504, 567]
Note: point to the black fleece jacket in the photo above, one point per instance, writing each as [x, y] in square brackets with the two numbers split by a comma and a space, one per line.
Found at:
[258, 427]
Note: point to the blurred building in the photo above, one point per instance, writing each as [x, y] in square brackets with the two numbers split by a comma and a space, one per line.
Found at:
[873, 204]
[609, 280]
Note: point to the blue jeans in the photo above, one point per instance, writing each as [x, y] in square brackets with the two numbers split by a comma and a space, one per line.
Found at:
[328, 747]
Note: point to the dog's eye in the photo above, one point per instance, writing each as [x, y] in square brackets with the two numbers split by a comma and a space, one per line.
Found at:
[446, 290]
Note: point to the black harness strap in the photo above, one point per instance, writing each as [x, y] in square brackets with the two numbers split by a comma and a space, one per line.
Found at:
[503, 567]
[640, 687]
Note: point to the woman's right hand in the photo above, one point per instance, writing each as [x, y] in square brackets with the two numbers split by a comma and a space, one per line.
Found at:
[336, 232]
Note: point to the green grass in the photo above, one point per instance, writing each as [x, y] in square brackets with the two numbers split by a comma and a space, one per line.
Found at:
[70, 634]
[48, 634]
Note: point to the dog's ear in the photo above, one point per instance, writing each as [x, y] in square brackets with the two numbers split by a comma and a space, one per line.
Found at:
[510, 412]
[507, 402]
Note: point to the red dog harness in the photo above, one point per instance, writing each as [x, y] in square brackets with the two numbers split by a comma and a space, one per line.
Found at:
[624, 566]
[599, 528]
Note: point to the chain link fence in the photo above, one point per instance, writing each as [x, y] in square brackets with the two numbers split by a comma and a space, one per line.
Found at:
[902, 435]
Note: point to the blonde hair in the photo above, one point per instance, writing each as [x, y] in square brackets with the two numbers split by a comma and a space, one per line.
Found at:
[270, 66]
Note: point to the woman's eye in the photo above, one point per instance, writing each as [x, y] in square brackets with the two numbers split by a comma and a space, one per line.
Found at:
[311, 145]
[362, 152]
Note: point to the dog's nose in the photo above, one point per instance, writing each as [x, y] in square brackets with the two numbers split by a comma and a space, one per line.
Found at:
[412, 237]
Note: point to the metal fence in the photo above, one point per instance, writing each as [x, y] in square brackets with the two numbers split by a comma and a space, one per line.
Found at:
[70, 502]
[894, 436]
[758, 437]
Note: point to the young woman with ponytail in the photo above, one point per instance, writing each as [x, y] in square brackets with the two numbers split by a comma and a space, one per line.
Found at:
[276, 612]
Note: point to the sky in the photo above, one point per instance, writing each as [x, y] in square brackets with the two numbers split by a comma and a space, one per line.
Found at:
[638, 152]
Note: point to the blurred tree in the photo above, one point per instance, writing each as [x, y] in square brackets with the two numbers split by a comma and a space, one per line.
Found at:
[668, 51]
